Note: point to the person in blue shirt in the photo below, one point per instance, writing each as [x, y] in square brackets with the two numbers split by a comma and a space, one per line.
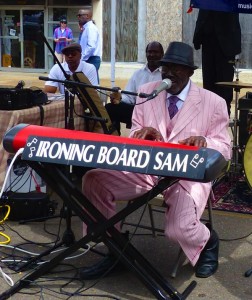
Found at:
[89, 40]
[63, 36]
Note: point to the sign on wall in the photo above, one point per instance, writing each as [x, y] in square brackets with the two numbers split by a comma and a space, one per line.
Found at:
[240, 6]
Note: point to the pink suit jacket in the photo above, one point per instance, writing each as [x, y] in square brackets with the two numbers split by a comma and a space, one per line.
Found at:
[202, 114]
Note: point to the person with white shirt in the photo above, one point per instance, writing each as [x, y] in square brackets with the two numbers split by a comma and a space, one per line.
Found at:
[89, 39]
[121, 107]
[72, 64]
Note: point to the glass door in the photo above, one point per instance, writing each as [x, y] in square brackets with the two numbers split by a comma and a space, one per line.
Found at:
[21, 45]
[9, 35]
[33, 45]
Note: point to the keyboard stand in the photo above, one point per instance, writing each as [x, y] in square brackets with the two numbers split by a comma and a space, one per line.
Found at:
[101, 229]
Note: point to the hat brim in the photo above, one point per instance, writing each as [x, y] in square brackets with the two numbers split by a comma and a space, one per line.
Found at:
[71, 47]
[163, 62]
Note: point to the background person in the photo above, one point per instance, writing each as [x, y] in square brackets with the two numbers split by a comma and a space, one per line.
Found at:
[72, 64]
[219, 34]
[90, 40]
[199, 118]
[121, 107]
[63, 35]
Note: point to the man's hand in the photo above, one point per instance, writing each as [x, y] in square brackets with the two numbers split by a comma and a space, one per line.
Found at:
[115, 97]
[198, 141]
[148, 133]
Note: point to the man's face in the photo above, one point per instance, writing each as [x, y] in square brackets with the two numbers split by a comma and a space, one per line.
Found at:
[153, 54]
[72, 58]
[179, 76]
[83, 16]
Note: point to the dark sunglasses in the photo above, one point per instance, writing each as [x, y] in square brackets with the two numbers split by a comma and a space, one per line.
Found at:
[63, 22]
[80, 15]
[174, 68]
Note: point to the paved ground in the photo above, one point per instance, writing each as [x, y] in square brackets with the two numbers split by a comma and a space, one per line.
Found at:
[228, 283]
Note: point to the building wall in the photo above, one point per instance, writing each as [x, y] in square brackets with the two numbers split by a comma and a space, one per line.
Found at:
[164, 21]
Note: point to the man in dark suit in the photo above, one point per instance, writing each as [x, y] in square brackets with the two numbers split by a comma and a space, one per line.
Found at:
[219, 34]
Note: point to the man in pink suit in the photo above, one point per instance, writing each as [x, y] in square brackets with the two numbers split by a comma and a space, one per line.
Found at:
[200, 119]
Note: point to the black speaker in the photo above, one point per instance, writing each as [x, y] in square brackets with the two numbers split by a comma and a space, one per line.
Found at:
[245, 108]
[29, 205]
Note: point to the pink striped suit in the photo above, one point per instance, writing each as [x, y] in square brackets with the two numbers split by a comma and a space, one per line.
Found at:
[202, 114]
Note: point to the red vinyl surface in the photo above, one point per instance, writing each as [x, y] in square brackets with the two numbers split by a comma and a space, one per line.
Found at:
[21, 136]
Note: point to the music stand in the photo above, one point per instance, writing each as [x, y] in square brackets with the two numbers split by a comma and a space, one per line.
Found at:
[68, 236]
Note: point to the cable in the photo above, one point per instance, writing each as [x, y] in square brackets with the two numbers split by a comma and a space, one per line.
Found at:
[21, 179]
[37, 254]
[29, 241]
[7, 238]
[236, 239]
[19, 152]
[6, 215]
[6, 277]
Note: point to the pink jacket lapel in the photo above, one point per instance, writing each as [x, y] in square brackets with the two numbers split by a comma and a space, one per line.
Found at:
[186, 114]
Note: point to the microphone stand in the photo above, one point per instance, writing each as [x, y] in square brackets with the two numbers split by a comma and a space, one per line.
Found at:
[97, 87]
[71, 110]
[65, 212]
[66, 108]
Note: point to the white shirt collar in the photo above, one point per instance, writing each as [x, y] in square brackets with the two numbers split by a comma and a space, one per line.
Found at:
[182, 96]
[156, 70]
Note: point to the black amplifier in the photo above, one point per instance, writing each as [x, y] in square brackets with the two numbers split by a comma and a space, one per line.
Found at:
[245, 111]
[14, 99]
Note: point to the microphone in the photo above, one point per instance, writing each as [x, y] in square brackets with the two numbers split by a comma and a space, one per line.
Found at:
[165, 84]
[20, 84]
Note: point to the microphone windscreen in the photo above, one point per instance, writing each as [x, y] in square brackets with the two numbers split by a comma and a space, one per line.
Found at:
[165, 84]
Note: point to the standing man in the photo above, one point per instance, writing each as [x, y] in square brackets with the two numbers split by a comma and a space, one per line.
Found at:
[185, 114]
[121, 107]
[72, 64]
[63, 35]
[219, 34]
[90, 40]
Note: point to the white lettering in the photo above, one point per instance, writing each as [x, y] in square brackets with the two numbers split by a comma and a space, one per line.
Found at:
[123, 158]
[180, 164]
[82, 154]
[171, 163]
[102, 155]
[63, 150]
[113, 152]
[132, 156]
[167, 162]
[86, 156]
[42, 149]
[158, 159]
[143, 159]
[54, 150]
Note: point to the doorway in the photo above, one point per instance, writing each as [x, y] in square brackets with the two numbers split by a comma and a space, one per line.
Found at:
[21, 46]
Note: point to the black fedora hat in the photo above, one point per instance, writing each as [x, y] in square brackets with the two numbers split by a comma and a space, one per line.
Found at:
[179, 53]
